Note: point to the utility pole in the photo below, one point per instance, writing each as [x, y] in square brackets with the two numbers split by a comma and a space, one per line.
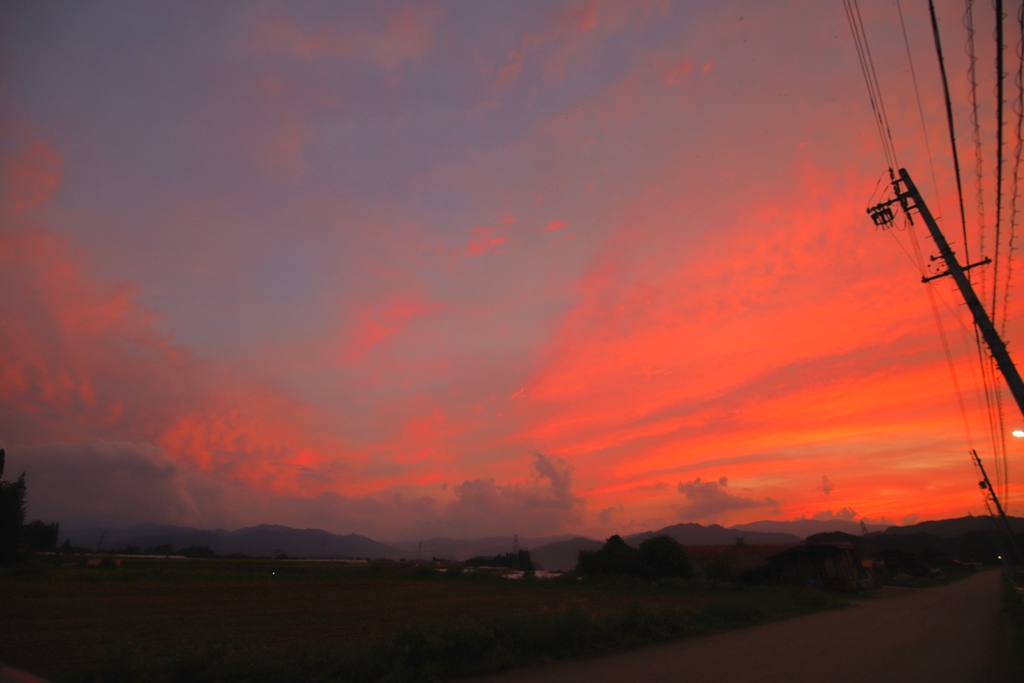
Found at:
[990, 494]
[909, 198]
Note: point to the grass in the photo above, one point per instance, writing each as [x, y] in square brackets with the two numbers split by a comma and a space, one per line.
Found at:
[219, 620]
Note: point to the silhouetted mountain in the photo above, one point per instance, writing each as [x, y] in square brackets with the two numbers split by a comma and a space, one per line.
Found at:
[463, 549]
[259, 541]
[807, 527]
[563, 555]
[696, 534]
[968, 538]
[950, 528]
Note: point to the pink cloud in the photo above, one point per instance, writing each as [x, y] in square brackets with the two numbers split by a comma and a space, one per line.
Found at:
[556, 225]
[404, 34]
[375, 324]
[677, 73]
[482, 241]
[31, 176]
[563, 39]
[82, 359]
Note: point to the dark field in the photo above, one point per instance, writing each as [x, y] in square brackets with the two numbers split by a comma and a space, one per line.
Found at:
[261, 620]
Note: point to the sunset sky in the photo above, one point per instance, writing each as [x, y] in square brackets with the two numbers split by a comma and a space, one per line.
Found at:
[474, 268]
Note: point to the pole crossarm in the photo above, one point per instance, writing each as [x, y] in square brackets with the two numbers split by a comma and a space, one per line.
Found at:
[944, 273]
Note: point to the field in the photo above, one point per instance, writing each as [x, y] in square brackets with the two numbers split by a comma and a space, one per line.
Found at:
[287, 620]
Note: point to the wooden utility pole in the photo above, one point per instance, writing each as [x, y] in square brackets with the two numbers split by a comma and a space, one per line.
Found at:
[910, 199]
[1002, 523]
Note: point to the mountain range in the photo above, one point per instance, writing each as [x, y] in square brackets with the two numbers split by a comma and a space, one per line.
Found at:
[551, 552]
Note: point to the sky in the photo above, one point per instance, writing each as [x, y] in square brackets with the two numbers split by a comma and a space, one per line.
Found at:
[466, 269]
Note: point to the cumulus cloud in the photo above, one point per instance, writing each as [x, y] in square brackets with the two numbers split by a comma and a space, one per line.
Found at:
[608, 515]
[844, 514]
[104, 482]
[545, 503]
[117, 484]
[710, 500]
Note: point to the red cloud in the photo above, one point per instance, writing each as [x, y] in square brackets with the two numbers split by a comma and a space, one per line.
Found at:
[31, 176]
[81, 360]
[556, 225]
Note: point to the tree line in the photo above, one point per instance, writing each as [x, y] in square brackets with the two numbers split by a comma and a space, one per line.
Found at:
[15, 535]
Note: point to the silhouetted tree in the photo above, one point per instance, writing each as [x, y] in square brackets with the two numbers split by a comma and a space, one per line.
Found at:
[615, 557]
[657, 558]
[510, 560]
[39, 535]
[662, 557]
[12, 513]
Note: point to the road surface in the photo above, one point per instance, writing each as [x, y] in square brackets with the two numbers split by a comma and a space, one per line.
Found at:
[950, 634]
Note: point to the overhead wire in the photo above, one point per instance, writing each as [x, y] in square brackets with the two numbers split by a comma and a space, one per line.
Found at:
[999, 151]
[1001, 456]
[949, 121]
[988, 370]
[989, 378]
[972, 96]
[867, 67]
[992, 401]
[920, 108]
[1018, 108]
[919, 257]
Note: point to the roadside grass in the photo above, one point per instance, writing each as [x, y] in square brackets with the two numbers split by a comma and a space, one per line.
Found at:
[266, 621]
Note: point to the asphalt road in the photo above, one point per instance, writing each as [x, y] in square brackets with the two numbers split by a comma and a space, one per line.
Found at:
[951, 634]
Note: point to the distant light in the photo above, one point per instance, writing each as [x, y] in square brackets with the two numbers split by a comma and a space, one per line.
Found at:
[1019, 433]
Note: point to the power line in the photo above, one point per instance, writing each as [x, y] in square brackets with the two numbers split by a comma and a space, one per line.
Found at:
[867, 68]
[949, 121]
[999, 151]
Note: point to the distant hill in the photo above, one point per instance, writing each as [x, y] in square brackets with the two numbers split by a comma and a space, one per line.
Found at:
[462, 549]
[696, 534]
[965, 536]
[563, 555]
[807, 527]
[951, 528]
[261, 540]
